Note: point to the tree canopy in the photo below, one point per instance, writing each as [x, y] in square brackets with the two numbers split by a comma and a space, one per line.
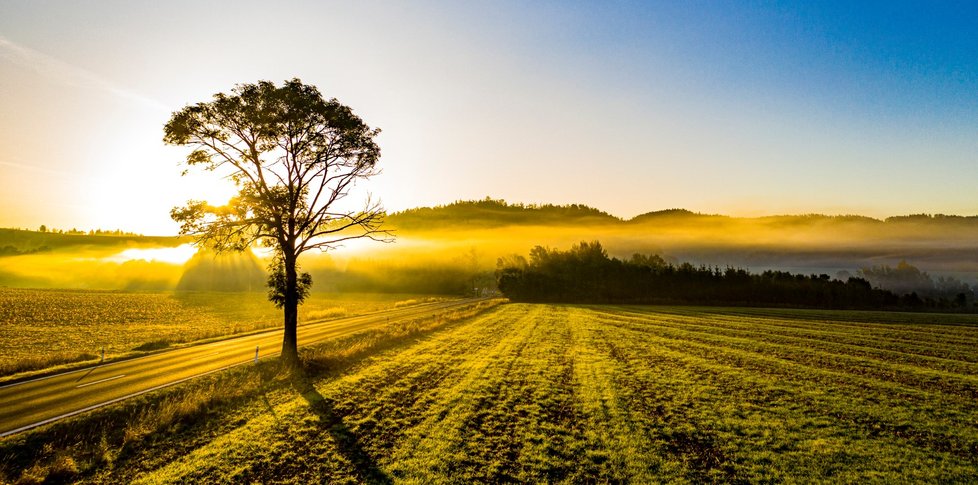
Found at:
[292, 155]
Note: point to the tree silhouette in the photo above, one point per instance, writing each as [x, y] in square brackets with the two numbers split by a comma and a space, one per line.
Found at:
[293, 156]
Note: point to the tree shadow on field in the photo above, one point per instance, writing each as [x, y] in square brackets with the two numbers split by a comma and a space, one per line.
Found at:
[347, 443]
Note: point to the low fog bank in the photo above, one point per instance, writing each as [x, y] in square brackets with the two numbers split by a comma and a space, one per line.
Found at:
[462, 259]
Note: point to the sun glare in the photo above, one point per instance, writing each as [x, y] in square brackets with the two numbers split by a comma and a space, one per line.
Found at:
[178, 255]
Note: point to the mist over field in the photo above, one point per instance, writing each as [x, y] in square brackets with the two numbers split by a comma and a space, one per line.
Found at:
[454, 248]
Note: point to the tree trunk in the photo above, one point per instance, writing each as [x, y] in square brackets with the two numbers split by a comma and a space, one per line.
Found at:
[290, 347]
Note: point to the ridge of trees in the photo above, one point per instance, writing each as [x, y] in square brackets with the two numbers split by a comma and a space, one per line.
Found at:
[497, 212]
[44, 229]
[491, 212]
[586, 274]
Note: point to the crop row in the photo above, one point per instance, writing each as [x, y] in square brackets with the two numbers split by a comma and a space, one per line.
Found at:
[937, 354]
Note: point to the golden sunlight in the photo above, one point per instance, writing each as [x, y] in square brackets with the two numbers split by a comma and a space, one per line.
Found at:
[178, 255]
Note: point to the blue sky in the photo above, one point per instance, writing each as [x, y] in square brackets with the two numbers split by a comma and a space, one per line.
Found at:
[742, 108]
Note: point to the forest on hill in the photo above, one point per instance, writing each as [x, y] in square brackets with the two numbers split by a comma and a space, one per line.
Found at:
[943, 245]
[497, 212]
[489, 213]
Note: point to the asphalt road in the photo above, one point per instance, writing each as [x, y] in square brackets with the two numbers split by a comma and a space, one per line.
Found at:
[32, 403]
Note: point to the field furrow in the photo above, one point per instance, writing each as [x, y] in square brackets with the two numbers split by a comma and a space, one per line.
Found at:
[945, 358]
[907, 327]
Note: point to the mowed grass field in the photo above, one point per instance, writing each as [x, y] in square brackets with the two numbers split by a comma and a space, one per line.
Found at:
[580, 394]
[40, 328]
[560, 393]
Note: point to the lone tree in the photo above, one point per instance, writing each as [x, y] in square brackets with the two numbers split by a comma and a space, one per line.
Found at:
[293, 156]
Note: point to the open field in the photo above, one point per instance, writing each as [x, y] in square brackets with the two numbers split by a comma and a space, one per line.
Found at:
[569, 393]
[39, 328]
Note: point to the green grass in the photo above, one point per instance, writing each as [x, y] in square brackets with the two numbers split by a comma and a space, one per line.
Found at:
[43, 328]
[561, 393]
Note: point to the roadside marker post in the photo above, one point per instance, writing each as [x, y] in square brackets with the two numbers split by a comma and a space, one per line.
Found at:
[103, 356]
[256, 354]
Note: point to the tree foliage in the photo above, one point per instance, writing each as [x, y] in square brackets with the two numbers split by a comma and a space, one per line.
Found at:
[277, 283]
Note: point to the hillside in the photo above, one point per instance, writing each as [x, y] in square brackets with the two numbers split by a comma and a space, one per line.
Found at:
[496, 213]
[490, 212]
[436, 246]
[19, 241]
[943, 245]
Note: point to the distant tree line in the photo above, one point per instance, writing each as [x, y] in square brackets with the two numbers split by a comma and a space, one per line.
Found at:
[16, 242]
[586, 274]
[91, 232]
[489, 212]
